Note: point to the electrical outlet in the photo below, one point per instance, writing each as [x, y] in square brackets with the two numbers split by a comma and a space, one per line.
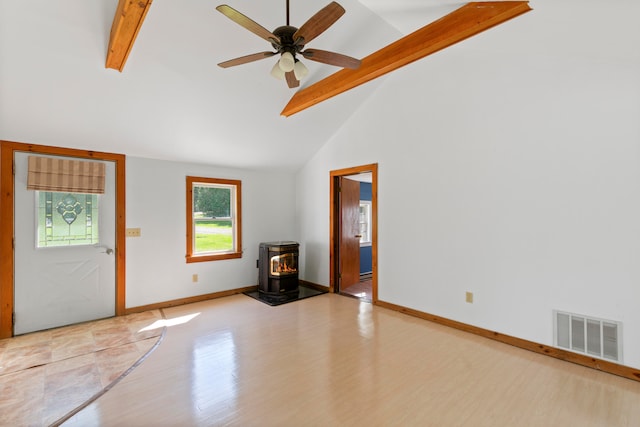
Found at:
[469, 297]
[133, 232]
[194, 278]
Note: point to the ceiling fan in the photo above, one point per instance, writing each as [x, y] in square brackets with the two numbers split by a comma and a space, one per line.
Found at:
[289, 41]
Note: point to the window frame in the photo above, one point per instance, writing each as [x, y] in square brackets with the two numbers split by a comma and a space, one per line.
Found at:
[236, 215]
[367, 222]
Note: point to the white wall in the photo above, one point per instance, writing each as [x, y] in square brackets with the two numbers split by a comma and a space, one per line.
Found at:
[156, 197]
[509, 166]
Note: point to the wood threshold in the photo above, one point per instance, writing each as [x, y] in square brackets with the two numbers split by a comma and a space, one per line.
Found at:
[567, 356]
[469, 20]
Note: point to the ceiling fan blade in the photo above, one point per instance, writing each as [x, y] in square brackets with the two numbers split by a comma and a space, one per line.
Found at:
[247, 23]
[245, 59]
[331, 58]
[319, 22]
[292, 81]
[468, 20]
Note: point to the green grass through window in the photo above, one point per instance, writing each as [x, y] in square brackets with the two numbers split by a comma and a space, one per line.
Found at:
[213, 236]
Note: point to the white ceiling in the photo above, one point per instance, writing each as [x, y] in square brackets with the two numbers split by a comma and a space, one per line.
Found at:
[409, 15]
[172, 101]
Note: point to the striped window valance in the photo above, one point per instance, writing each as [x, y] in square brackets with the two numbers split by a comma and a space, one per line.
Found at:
[64, 175]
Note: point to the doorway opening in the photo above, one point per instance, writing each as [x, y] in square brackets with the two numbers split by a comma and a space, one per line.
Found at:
[354, 232]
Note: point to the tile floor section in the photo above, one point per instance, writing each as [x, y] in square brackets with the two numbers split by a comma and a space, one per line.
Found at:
[44, 376]
[361, 290]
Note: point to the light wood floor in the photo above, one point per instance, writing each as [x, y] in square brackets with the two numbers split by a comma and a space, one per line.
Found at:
[335, 361]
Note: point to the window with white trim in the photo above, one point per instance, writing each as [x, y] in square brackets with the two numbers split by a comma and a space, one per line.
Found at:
[365, 222]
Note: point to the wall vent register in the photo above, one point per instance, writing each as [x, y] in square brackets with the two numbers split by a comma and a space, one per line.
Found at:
[588, 335]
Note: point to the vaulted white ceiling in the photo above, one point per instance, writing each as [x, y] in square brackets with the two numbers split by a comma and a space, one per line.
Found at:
[172, 101]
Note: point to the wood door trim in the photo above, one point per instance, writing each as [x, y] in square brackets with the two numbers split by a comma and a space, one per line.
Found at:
[334, 207]
[7, 151]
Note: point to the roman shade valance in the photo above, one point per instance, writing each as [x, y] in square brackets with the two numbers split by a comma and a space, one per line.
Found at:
[65, 175]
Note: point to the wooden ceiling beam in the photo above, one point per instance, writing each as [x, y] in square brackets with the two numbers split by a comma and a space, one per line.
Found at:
[127, 22]
[460, 24]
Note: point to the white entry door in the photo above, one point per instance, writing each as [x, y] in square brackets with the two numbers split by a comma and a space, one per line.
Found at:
[61, 285]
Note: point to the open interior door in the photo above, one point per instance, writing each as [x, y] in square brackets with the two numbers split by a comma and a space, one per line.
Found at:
[349, 239]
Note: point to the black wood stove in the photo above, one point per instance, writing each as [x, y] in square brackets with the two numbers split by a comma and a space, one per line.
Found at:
[278, 270]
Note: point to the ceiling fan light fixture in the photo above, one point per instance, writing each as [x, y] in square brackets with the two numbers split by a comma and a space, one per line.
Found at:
[277, 72]
[287, 62]
[289, 41]
[300, 70]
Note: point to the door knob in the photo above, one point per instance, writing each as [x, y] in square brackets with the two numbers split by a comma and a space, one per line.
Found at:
[358, 236]
[108, 251]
